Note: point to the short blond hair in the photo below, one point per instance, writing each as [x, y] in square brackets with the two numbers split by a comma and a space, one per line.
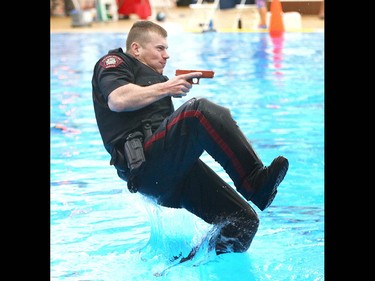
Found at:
[140, 30]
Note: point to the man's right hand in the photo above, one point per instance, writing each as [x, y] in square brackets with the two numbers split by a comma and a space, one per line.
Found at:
[179, 85]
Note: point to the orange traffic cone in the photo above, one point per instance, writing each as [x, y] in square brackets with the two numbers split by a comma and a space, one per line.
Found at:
[276, 21]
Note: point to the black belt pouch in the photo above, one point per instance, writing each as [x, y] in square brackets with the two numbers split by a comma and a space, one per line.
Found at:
[134, 153]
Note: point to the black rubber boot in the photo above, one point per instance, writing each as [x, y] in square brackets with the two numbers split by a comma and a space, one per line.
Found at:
[260, 187]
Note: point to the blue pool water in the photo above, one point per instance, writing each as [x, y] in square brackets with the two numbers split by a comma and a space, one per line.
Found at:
[275, 91]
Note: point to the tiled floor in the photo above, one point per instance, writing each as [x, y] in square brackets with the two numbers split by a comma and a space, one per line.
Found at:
[185, 19]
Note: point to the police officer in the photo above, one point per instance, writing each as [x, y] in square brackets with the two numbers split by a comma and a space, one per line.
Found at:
[156, 148]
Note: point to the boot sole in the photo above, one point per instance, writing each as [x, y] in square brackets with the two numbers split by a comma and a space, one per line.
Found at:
[263, 198]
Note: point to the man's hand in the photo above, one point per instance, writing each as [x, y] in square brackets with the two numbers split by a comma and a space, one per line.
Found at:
[179, 85]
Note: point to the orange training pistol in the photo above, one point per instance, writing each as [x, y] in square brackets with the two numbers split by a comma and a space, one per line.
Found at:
[205, 74]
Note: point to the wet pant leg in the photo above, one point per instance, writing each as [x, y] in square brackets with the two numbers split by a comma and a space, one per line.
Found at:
[206, 195]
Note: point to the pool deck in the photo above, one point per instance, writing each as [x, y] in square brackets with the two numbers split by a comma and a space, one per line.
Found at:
[186, 19]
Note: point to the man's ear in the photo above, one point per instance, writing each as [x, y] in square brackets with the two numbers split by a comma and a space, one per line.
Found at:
[135, 48]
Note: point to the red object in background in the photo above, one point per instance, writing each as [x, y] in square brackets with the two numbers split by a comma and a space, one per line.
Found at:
[276, 21]
[140, 7]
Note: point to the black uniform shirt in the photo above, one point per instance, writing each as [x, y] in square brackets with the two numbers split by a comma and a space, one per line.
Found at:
[112, 71]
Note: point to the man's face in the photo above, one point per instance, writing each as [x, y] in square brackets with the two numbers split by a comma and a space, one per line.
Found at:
[154, 53]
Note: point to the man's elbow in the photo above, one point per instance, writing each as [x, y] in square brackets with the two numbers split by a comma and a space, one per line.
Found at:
[114, 104]
[115, 107]
[118, 106]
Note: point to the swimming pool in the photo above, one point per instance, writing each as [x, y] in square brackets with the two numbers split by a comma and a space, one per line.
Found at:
[275, 91]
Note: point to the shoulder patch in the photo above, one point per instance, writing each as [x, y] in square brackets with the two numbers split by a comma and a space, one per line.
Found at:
[111, 61]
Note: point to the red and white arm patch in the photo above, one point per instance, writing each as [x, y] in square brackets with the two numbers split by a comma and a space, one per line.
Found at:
[111, 61]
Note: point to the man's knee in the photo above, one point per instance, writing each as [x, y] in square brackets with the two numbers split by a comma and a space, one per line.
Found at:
[211, 109]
